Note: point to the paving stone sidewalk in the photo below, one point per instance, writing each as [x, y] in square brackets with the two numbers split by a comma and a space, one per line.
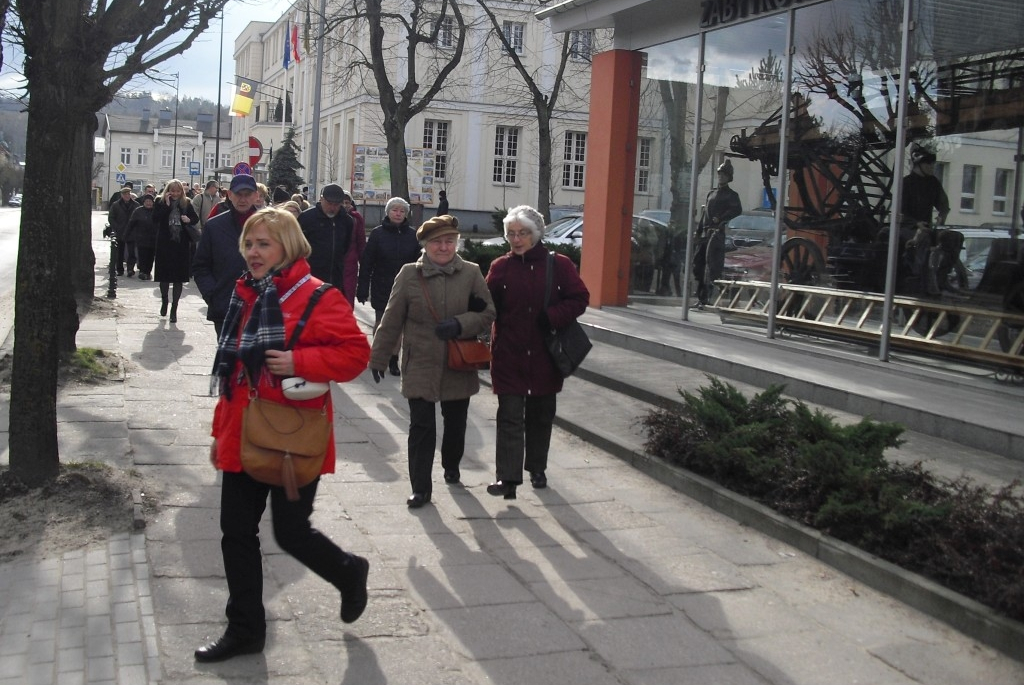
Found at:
[607, 577]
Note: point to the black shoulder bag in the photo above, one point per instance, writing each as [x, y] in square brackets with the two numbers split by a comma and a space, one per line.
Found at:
[567, 346]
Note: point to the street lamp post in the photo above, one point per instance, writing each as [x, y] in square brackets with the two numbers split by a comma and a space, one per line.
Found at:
[174, 146]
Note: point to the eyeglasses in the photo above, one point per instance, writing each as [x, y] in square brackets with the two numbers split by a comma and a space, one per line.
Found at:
[512, 235]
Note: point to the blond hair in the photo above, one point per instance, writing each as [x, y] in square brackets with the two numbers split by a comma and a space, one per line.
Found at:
[282, 227]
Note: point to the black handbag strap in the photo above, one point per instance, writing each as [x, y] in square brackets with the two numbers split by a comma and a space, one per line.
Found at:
[301, 325]
[548, 278]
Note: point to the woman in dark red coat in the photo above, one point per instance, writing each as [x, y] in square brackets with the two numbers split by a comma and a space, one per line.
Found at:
[523, 375]
[265, 309]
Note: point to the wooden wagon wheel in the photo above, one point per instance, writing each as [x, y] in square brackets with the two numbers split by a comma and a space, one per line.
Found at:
[802, 263]
[1013, 301]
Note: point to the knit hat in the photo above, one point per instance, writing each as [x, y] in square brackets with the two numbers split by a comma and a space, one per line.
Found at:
[438, 226]
[394, 202]
[527, 217]
[281, 195]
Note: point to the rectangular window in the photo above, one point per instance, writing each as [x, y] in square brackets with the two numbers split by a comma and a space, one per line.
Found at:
[514, 32]
[185, 157]
[999, 191]
[446, 37]
[506, 153]
[574, 159]
[142, 155]
[166, 158]
[210, 161]
[126, 155]
[581, 45]
[435, 137]
[225, 159]
[969, 187]
[643, 165]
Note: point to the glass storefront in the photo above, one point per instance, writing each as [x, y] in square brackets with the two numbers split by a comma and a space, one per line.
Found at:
[914, 220]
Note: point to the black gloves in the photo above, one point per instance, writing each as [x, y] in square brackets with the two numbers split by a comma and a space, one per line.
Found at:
[448, 329]
[543, 321]
[377, 375]
[477, 304]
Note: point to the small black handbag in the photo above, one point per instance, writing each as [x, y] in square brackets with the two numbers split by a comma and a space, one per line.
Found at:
[567, 346]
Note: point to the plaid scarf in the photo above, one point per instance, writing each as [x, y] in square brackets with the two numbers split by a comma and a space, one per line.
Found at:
[263, 331]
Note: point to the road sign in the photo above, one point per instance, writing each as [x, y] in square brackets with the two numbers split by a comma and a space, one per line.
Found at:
[195, 169]
[255, 151]
[122, 178]
[242, 169]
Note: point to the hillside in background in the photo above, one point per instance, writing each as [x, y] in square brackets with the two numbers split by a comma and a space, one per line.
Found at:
[14, 118]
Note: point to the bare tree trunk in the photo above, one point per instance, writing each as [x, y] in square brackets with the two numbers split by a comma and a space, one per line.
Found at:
[54, 245]
[544, 161]
[394, 133]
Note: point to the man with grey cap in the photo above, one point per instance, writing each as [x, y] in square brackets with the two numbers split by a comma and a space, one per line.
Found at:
[328, 228]
[205, 201]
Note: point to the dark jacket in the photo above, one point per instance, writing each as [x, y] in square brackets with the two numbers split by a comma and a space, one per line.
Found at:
[387, 250]
[173, 263]
[218, 263]
[520, 363]
[119, 214]
[141, 228]
[329, 237]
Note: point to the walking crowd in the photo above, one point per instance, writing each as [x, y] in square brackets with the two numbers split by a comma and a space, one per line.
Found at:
[279, 279]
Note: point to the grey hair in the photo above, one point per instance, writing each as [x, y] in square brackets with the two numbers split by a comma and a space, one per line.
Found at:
[396, 201]
[527, 217]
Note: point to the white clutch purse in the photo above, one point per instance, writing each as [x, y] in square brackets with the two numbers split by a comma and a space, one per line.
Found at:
[298, 388]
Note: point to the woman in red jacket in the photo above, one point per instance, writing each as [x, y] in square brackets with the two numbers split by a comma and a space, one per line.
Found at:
[265, 308]
[523, 376]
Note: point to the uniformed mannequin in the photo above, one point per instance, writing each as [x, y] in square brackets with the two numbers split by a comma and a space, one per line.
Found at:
[721, 205]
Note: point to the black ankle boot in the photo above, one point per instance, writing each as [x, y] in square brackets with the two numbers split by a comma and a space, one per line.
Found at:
[174, 314]
[163, 308]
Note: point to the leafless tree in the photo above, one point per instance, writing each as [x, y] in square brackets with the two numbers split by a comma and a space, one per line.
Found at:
[77, 57]
[406, 74]
[543, 86]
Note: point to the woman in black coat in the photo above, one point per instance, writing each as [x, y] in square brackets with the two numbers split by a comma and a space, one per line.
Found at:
[177, 227]
[391, 245]
[142, 231]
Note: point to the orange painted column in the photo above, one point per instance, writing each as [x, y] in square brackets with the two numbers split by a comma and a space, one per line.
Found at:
[611, 168]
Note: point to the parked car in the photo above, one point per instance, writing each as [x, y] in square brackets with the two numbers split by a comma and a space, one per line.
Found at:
[750, 262]
[15, 201]
[975, 251]
[649, 242]
[566, 230]
[751, 227]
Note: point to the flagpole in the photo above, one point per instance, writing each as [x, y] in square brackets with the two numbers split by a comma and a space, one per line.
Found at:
[318, 77]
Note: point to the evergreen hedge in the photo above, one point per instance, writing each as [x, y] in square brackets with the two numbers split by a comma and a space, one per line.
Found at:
[836, 479]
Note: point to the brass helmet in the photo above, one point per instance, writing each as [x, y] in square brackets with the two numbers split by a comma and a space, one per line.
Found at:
[726, 168]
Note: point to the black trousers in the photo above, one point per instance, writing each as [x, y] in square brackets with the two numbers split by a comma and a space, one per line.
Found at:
[423, 439]
[146, 255]
[524, 435]
[243, 501]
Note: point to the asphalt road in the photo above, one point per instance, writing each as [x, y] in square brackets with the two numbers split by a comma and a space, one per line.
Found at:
[10, 225]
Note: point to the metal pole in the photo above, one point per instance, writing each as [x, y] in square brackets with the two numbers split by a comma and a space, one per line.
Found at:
[781, 195]
[698, 112]
[897, 191]
[112, 268]
[174, 147]
[314, 153]
[220, 80]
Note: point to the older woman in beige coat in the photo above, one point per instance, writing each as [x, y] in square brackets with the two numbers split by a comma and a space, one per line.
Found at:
[434, 299]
